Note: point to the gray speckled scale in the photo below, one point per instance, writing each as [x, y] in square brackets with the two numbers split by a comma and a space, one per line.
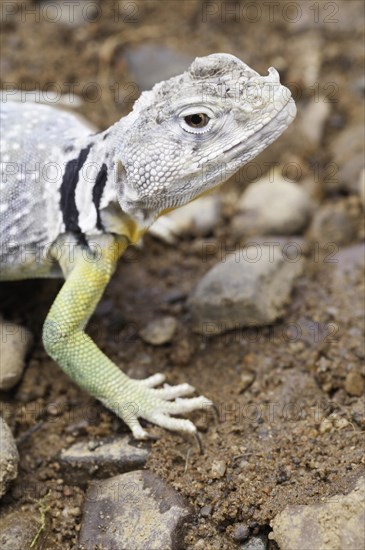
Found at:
[32, 165]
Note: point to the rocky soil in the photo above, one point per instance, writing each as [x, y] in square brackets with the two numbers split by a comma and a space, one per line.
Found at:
[256, 300]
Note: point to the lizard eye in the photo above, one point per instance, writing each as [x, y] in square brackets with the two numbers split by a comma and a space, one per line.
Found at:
[198, 120]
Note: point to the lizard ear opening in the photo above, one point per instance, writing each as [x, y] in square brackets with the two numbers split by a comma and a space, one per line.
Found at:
[120, 178]
[121, 173]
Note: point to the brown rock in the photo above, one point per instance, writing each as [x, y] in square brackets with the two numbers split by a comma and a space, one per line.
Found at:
[338, 524]
[336, 223]
[354, 383]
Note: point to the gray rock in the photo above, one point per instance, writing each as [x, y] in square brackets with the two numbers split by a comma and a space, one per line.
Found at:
[347, 176]
[361, 186]
[350, 260]
[136, 510]
[313, 119]
[255, 543]
[240, 532]
[159, 332]
[277, 207]
[358, 85]
[336, 223]
[149, 64]
[83, 461]
[18, 530]
[348, 157]
[358, 412]
[14, 344]
[206, 511]
[241, 292]
[9, 457]
[198, 217]
[338, 524]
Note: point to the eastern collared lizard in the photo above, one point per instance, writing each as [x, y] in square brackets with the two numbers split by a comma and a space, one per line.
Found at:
[72, 201]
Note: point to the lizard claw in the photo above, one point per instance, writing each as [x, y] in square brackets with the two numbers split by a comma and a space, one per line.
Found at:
[137, 431]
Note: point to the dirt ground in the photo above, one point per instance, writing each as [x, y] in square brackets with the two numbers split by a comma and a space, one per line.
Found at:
[272, 447]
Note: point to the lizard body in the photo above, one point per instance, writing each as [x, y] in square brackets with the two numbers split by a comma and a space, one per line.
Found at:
[71, 202]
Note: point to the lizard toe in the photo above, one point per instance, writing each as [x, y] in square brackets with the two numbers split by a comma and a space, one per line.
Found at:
[153, 381]
[171, 392]
[182, 406]
[137, 431]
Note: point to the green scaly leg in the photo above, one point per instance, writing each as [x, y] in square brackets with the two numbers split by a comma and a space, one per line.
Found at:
[75, 352]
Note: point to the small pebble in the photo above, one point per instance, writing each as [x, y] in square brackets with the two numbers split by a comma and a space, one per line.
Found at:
[254, 543]
[241, 532]
[159, 332]
[182, 352]
[326, 426]
[206, 511]
[354, 383]
[200, 545]
[341, 423]
[218, 469]
[246, 379]
[336, 223]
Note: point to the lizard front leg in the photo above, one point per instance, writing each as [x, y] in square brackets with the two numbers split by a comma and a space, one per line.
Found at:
[67, 343]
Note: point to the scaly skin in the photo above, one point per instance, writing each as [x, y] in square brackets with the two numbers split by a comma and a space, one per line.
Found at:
[184, 137]
[68, 344]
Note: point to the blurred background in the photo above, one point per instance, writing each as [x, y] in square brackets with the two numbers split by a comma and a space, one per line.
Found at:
[106, 53]
[308, 188]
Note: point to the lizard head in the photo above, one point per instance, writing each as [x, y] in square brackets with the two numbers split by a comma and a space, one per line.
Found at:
[193, 131]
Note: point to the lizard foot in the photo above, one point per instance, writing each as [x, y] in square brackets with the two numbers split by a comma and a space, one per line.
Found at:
[157, 405]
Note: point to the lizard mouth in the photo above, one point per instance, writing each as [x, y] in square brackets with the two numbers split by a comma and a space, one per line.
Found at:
[266, 134]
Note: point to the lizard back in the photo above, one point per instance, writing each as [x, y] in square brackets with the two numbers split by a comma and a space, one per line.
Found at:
[31, 173]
